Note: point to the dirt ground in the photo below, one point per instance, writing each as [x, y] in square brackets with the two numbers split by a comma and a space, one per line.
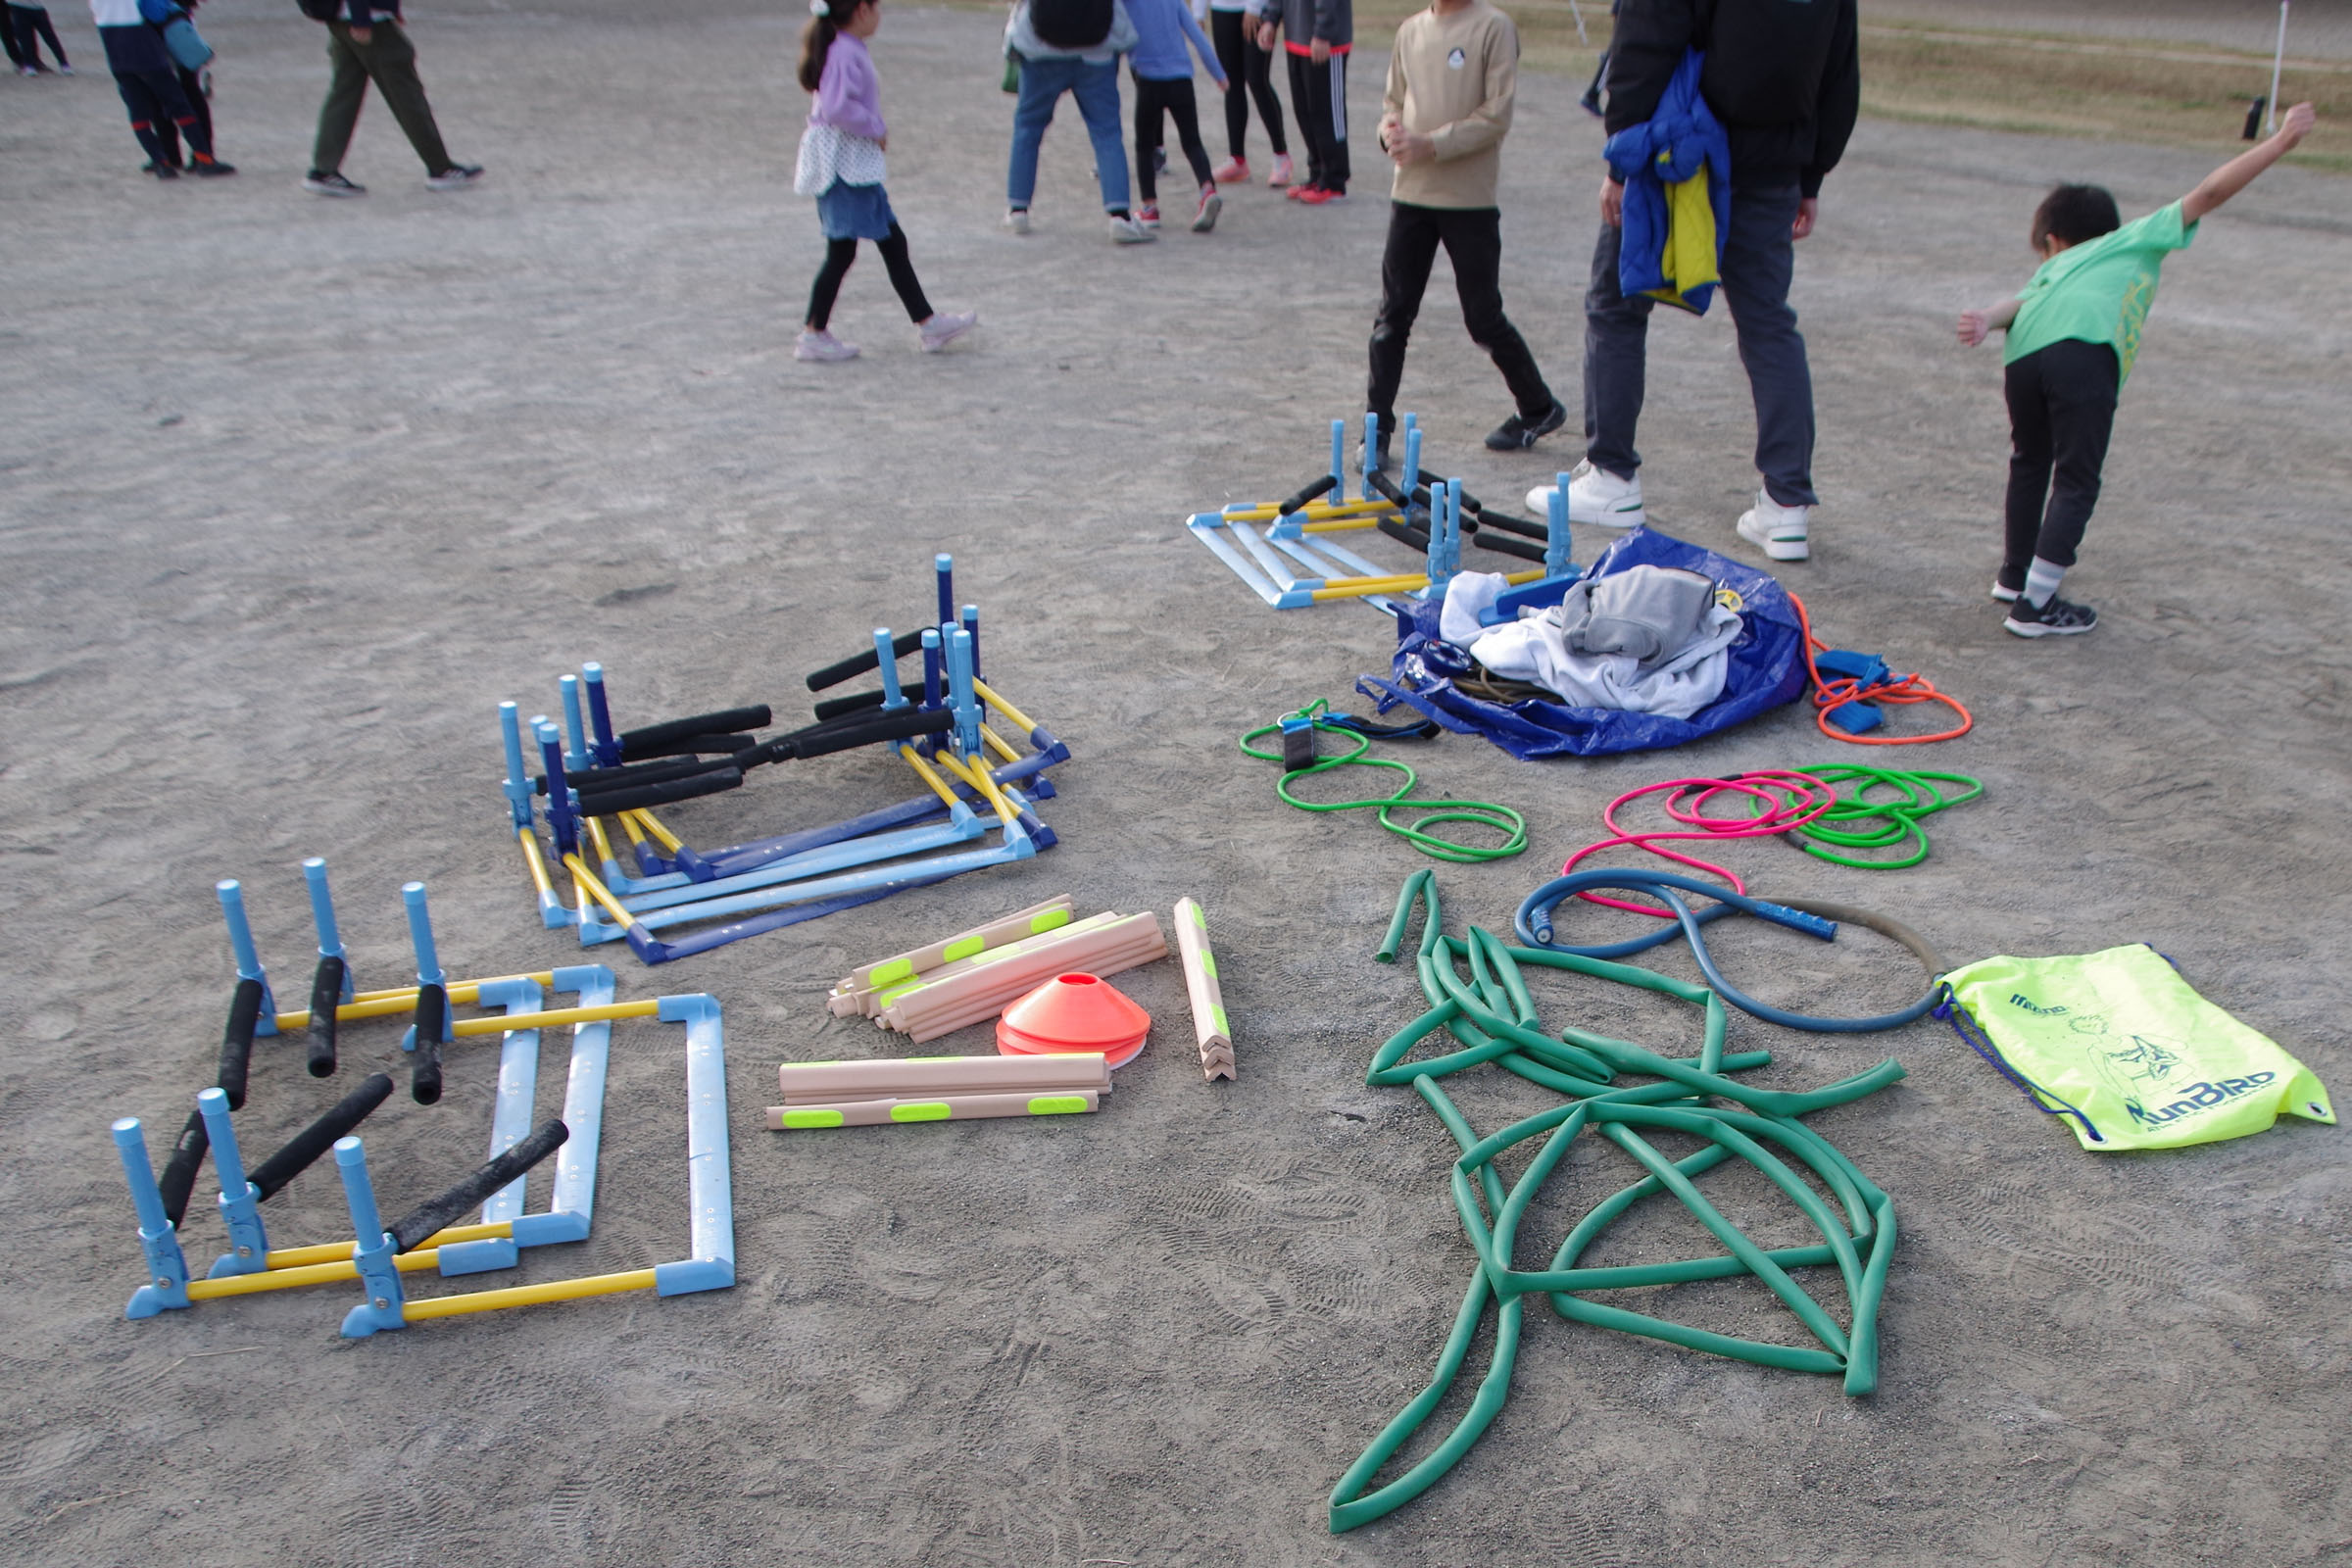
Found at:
[292, 492]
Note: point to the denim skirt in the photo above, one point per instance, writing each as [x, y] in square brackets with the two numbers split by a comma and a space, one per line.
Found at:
[854, 212]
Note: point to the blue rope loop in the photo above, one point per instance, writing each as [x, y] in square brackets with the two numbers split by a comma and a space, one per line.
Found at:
[1534, 926]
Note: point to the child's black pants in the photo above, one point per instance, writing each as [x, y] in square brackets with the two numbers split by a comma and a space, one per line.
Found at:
[1174, 99]
[1473, 241]
[1248, 74]
[2061, 411]
[840, 253]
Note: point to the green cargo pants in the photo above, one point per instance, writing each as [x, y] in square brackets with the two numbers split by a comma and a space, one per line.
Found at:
[388, 59]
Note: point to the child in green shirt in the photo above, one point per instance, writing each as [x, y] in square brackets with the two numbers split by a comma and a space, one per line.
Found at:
[2073, 333]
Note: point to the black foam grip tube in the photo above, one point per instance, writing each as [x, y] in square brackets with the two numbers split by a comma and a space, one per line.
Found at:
[180, 1171]
[1504, 545]
[1518, 525]
[712, 745]
[426, 1218]
[905, 643]
[709, 781]
[1471, 506]
[834, 707]
[425, 1064]
[326, 995]
[591, 780]
[1387, 488]
[1308, 493]
[634, 742]
[237, 1041]
[905, 724]
[1404, 533]
[319, 1136]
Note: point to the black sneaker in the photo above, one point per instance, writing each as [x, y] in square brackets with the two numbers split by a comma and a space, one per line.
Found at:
[1517, 434]
[457, 177]
[327, 182]
[210, 169]
[2059, 617]
[160, 170]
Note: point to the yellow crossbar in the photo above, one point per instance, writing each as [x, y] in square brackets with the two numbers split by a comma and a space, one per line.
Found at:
[288, 1279]
[640, 1279]
[1012, 715]
[586, 881]
[514, 1023]
[661, 834]
[939, 786]
[390, 1003]
[337, 1251]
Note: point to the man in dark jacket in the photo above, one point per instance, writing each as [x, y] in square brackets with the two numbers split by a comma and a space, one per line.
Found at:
[1783, 79]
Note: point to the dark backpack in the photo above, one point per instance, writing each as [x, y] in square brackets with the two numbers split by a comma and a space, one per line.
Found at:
[1064, 24]
[1766, 60]
[321, 10]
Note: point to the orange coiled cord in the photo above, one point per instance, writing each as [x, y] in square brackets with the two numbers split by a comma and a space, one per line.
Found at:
[1831, 695]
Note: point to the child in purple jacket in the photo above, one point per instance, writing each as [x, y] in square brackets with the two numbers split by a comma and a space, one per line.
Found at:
[841, 165]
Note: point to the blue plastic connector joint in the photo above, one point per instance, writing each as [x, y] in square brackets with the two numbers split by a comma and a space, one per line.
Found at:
[382, 1310]
[167, 1288]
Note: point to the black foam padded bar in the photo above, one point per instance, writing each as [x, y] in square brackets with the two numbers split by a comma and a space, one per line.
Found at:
[426, 1218]
[834, 707]
[425, 1062]
[326, 996]
[180, 1171]
[1504, 544]
[712, 745]
[319, 1136]
[633, 743]
[1306, 493]
[866, 730]
[709, 781]
[905, 643]
[1404, 533]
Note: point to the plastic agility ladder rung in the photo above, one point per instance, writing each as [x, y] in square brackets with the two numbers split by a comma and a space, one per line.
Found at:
[951, 1107]
[913, 1077]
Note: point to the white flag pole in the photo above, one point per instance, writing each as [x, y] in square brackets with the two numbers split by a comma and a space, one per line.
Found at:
[2278, 60]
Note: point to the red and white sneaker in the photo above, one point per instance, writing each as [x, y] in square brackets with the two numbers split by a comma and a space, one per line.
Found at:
[1148, 215]
[1318, 195]
[1281, 176]
[1232, 171]
[1205, 216]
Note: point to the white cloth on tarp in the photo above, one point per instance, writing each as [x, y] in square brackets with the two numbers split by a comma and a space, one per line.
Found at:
[1469, 596]
[1536, 649]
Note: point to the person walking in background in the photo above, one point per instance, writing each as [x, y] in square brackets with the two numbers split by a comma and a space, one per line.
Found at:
[1073, 47]
[150, 87]
[1317, 35]
[368, 43]
[1453, 77]
[1163, 90]
[27, 26]
[1249, 72]
[2072, 337]
[841, 164]
[194, 86]
[1785, 82]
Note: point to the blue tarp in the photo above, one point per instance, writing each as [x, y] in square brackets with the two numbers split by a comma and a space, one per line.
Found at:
[1766, 668]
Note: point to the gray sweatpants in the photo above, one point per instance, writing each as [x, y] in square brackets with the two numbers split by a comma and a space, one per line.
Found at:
[1758, 260]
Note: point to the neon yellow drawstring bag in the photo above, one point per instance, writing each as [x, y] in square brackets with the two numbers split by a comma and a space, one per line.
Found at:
[2123, 1048]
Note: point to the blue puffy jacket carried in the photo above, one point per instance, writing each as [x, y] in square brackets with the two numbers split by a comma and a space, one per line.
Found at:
[1677, 173]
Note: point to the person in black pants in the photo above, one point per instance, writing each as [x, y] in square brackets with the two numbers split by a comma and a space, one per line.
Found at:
[1248, 74]
[149, 82]
[29, 29]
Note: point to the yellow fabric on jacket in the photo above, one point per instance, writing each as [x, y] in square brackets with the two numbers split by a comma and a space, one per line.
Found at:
[1690, 256]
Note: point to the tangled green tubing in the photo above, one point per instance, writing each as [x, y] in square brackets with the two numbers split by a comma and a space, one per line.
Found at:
[1494, 1018]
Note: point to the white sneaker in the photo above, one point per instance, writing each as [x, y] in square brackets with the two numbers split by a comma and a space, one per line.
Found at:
[823, 348]
[1279, 175]
[1596, 497]
[944, 329]
[1127, 232]
[1017, 219]
[1780, 531]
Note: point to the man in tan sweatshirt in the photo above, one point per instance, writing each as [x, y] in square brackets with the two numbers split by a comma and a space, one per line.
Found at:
[1447, 107]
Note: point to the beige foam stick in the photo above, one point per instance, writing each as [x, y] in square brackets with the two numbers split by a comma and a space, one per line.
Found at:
[949, 1107]
[1200, 985]
[933, 1025]
[875, 1001]
[1137, 939]
[901, 1078]
[1032, 921]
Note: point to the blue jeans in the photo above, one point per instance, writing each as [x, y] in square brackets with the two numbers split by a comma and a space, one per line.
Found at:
[1097, 89]
[1758, 260]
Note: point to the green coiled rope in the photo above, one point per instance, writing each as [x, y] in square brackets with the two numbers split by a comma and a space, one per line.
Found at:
[1485, 813]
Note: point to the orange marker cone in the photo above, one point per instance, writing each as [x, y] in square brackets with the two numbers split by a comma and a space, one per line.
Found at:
[1074, 1013]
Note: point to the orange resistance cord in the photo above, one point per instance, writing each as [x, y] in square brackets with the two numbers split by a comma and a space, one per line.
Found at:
[1831, 694]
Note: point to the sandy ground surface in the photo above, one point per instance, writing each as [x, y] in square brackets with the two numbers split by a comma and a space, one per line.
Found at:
[295, 491]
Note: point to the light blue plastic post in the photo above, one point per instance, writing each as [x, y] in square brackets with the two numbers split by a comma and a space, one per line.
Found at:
[931, 666]
[323, 916]
[167, 1270]
[420, 936]
[382, 1309]
[1556, 543]
[575, 756]
[960, 686]
[710, 1262]
[887, 662]
[972, 623]
[560, 815]
[1453, 526]
[1371, 449]
[518, 784]
[1412, 455]
[249, 960]
[240, 1201]
[1339, 461]
[944, 565]
[604, 746]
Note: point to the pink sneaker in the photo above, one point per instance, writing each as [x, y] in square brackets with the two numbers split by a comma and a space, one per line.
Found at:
[1281, 176]
[1148, 215]
[1232, 171]
[1205, 216]
[823, 348]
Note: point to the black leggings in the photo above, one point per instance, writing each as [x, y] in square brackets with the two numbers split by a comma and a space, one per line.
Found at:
[192, 85]
[29, 25]
[2061, 412]
[1248, 73]
[1174, 99]
[840, 253]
